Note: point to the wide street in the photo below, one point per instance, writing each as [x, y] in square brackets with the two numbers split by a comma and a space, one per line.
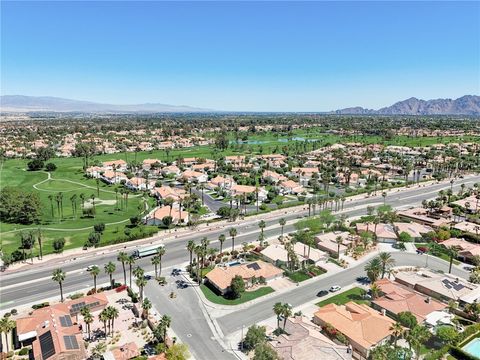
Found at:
[188, 314]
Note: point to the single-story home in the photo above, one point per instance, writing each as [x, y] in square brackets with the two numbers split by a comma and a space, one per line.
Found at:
[221, 277]
[364, 327]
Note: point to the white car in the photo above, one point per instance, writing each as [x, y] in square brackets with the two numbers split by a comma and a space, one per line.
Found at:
[90, 267]
[335, 288]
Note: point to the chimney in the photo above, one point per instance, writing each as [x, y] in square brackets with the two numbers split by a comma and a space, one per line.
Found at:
[427, 300]
[384, 312]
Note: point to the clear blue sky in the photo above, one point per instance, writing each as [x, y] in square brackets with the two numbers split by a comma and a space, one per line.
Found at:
[257, 56]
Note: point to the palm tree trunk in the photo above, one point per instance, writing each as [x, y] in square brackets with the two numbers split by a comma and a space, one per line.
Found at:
[124, 274]
[61, 292]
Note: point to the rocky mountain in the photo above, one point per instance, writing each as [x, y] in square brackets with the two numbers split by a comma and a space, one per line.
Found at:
[465, 105]
[21, 103]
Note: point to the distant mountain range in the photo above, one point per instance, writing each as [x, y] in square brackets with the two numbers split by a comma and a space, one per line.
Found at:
[465, 105]
[21, 103]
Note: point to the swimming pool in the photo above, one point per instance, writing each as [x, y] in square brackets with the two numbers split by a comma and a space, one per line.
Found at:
[473, 347]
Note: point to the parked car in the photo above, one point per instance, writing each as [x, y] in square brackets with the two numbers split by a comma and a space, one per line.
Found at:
[335, 288]
[322, 293]
[90, 267]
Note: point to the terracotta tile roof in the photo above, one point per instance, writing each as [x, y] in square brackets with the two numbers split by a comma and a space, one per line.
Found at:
[398, 299]
[358, 322]
[124, 352]
[222, 276]
[304, 341]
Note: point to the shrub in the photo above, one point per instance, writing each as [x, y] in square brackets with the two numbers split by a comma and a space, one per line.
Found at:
[76, 296]
[41, 305]
[23, 351]
[50, 167]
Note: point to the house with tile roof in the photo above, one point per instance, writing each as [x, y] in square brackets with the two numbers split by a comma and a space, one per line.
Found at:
[303, 340]
[364, 327]
[53, 331]
[396, 298]
[221, 277]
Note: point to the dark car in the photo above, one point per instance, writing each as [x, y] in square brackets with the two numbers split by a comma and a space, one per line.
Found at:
[322, 293]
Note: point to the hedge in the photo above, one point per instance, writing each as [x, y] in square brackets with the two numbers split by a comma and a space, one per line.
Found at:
[460, 354]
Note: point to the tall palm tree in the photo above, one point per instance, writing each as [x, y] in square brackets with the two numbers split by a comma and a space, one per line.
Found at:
[191, 247]
[387, 262]
[233, 233]
[94, 271]
[452, 253]
[160, 253]
[146, 306]
[50, 197]
[165, 321]
[6, 326]
[123, 258]
[278, 310]
[141, 283]
[87, 317]
[103, 317]
[110, 269]
[221, 240]
[397, 332]
[262, 226]
[198, 253]
[156, 260]
[130, 261]
[282, 223]
[339, 242]
[286, 313]
[112, 313]
[58, 276]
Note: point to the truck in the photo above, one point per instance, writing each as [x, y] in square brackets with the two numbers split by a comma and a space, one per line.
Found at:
[146, 251]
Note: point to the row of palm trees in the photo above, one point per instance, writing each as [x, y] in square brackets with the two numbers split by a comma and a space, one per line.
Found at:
[379, 266]
[6, 326]
[59, 275]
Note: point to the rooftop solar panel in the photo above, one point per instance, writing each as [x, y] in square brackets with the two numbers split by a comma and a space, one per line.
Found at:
[70, 342]
[253, 266]
[46, 345]
[65, 321]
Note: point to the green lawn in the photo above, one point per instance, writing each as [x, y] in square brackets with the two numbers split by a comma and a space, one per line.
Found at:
[298, 276]
[69, 180]
[354, 294]
[246, 296]
[441, 256]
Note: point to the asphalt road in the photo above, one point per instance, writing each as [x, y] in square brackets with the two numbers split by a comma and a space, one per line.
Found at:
[263, 310]
[35, 285]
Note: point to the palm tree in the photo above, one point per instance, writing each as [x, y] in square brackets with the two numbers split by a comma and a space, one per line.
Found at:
[397, 331]
[386, 261]
[92, 197]
[419, 335]
[146, 306]
[278, 310]
[338, 241]
[130, 261]
[160, 253]
[141, 283]
[94, 271]
[123, 258]
[99, 349]
[221, 239]
[155, 262]
[373, 269]
[262, 225]
[165, 322]
[452, 253]
[103, 317]
[233, 233]
[375, 290]
[87, 317]
[282, 223]
[112, 313]
[191, 248]
[286, 313]
[198, 253]
[50, 197]
[6, 326]
[58, 276]
[110, 269]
